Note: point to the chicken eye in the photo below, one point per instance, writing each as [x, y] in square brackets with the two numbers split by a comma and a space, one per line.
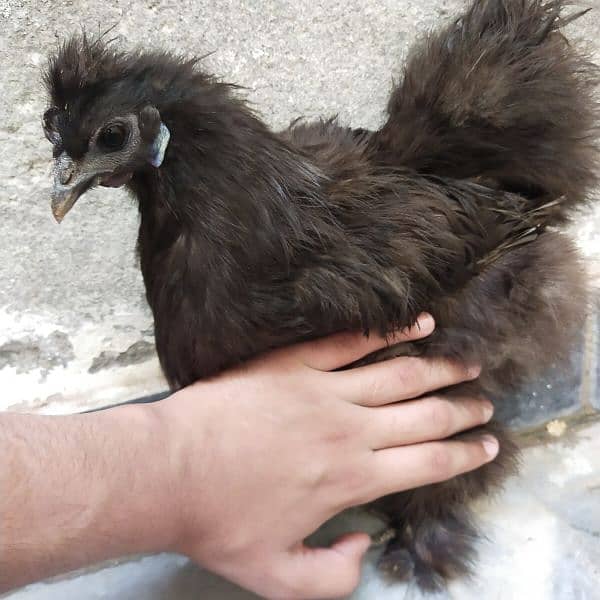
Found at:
[49, 118]
[49, 122]
[112, 138]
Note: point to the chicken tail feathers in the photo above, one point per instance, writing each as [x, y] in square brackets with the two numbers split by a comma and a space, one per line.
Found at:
[500, 95]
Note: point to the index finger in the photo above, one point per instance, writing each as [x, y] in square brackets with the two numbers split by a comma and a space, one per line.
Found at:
[342, 349]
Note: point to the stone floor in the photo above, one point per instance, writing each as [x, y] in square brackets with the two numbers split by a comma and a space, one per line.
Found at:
[543, 541]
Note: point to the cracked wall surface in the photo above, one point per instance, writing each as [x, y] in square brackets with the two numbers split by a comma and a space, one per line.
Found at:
[75, 330]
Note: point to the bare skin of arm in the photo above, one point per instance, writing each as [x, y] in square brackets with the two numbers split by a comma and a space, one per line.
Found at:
[236, 471]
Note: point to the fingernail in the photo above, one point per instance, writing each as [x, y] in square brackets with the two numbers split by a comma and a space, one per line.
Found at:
[488, 410]
[490, 445]
[474, 371]
[426, 322]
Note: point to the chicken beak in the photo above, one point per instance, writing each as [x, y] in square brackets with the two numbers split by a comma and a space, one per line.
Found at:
[62, 202]
[69, 185]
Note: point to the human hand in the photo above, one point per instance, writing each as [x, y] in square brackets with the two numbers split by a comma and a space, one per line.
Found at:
[266, 453]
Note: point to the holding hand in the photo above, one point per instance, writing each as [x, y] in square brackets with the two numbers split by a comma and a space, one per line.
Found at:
[268, 452]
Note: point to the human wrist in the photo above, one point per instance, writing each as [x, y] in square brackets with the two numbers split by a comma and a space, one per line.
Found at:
[181, 428]
[103, 490]
[145, 505]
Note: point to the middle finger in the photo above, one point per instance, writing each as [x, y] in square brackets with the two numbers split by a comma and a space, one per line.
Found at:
[425, 420]
[400, 378]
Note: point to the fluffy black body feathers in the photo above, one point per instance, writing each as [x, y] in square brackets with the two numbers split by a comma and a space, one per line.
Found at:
[251, 240]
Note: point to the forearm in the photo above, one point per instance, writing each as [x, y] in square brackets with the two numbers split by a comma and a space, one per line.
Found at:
[79, 489]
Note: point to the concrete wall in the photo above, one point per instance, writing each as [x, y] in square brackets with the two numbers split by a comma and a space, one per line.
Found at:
[74, 327]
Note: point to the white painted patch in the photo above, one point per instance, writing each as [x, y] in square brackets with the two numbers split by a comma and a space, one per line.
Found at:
[72, 388]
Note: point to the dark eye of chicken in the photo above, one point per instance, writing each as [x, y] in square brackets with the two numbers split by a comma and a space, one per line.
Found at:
[48, 118]
[49, 121]
[112, 138]
[251, 239]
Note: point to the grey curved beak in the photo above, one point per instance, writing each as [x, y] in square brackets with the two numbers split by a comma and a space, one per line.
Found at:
[69, 184]
[62, 202]
[63, 197]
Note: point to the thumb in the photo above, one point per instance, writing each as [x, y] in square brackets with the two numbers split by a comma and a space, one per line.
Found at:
[327, 572]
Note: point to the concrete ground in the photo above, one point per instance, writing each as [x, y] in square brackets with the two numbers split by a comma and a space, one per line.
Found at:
[75, 331]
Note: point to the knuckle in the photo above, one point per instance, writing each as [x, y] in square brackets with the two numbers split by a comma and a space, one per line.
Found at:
[414, 364]
[441, 461]
[317, 475]
[337, 437]
[373, 389]
[410, 369]
[440, 416]
[348, 427]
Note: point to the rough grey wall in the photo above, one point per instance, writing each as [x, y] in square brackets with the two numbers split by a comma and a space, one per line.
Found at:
[74, 327]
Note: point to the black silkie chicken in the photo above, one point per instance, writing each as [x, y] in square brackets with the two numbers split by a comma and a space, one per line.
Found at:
[251, 239]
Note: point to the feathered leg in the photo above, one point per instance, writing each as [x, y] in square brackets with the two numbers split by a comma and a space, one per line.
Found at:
[499, 95]
[435, 533]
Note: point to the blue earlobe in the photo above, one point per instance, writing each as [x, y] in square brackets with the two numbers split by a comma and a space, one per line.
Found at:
[159, 147]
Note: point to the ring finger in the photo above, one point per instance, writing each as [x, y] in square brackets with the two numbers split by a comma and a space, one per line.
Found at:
[426, 420]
